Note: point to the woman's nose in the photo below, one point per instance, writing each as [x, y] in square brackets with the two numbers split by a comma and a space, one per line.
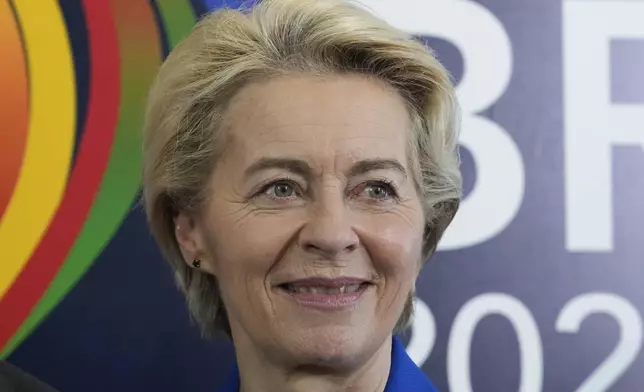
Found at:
[329, 231]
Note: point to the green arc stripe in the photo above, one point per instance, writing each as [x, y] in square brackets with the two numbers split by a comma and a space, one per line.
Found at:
[178, 18]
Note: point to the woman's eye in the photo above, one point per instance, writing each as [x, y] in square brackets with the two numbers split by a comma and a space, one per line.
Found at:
[376, 191]
[280, 190]
[379, 191]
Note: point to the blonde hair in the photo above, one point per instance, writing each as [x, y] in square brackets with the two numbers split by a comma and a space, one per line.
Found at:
[228, 49]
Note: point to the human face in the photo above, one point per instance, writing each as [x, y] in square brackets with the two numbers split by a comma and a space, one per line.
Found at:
[314, 196]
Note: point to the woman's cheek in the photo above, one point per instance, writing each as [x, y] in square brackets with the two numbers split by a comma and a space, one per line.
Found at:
[255, 245]
[394, 242]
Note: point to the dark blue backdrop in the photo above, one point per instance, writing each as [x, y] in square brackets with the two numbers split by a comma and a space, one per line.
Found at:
[124, 327]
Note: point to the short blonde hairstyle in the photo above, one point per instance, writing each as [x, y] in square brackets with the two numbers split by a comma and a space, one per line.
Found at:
[228, 49]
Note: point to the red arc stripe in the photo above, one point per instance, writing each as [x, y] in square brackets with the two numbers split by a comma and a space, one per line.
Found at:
[85, 178]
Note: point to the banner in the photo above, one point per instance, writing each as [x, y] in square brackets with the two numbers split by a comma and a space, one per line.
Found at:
[538, 284]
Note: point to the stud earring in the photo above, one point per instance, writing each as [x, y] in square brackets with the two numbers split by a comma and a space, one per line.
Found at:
[196, 263]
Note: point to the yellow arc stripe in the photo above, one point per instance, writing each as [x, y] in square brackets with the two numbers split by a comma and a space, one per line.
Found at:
[52, 117]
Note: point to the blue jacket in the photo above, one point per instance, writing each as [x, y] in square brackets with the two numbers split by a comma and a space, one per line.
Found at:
[404, 375]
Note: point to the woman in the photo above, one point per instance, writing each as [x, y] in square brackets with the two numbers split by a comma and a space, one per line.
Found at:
[300, 165]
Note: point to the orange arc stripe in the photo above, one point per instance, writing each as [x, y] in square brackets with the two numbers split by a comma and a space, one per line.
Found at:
[14, 103]
[47, 159]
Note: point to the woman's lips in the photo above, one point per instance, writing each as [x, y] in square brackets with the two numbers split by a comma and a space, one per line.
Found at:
[331, 297]
[338, 289]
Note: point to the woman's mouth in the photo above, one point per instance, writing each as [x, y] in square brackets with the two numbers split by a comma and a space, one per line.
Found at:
[325, 295]
[350, 288]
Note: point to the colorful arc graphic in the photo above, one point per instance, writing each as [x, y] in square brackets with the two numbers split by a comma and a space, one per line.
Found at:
[47, 156]
[125, 51]
[85, 178]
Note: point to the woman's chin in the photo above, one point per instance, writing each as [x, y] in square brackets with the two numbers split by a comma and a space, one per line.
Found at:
[332, 346]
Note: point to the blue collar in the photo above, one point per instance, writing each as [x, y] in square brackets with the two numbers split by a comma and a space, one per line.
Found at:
[404, 375]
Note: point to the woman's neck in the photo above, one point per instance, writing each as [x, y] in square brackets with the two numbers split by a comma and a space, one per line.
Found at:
[261, 374]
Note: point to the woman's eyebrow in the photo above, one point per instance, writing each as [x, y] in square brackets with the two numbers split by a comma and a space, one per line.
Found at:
[367, 165]
[303, 169]
[296, 166]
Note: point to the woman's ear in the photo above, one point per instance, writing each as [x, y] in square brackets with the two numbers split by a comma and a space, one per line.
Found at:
[192, 241]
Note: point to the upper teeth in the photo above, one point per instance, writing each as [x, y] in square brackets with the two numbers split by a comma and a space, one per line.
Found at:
[350, 288]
